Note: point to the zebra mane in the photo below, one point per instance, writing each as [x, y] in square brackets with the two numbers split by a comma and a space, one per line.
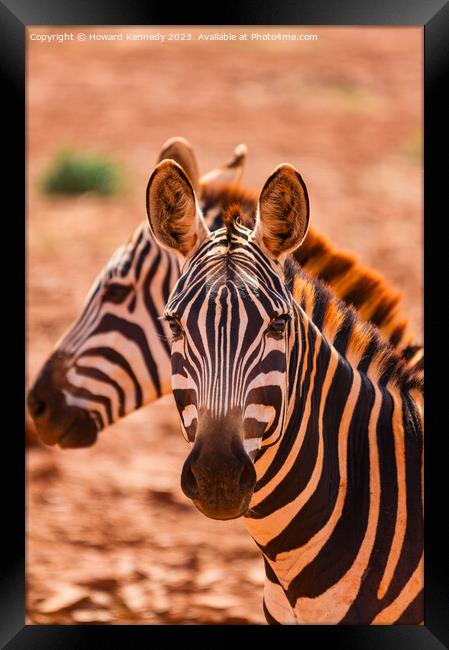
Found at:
[225, 194]
[342, 325]
[231, 221]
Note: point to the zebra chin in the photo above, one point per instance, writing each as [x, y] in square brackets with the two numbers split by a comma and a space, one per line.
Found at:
[223, 511]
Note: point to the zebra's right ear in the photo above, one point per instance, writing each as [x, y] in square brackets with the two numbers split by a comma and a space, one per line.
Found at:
[173, 212]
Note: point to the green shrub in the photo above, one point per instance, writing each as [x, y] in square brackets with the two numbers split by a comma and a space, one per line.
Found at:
[76, 173]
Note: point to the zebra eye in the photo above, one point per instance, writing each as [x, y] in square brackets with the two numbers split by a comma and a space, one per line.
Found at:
[175, 327]
[116, 293]
[276, 328]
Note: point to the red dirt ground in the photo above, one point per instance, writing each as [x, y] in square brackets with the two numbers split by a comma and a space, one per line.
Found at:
[111, 538]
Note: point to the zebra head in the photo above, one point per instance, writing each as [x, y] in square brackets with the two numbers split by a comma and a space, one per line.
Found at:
[115, 358]
[232, 320]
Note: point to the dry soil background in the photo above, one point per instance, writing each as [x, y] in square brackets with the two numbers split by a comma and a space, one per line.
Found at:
[111, 538]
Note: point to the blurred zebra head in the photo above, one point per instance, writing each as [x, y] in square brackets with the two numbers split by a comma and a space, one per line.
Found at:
[116, 356]
[232, 321]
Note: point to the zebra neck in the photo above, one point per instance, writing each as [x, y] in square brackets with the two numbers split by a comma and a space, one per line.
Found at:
[339, 497]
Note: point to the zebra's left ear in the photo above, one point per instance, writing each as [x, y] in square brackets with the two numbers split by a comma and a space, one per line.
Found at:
[173, 213]
[181, 151]
[283, 212]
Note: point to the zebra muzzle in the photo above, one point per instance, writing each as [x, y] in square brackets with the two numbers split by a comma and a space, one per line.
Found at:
[219, 477]
[57, 422]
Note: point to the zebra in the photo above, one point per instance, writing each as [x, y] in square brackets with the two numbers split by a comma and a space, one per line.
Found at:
[300, 417]
[115, 358]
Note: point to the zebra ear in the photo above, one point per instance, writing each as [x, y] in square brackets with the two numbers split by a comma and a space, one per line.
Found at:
[283, 212]
[181, 151]
[175, 218]
[231, 171]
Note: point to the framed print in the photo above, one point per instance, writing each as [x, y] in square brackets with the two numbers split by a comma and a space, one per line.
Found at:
[224, 224]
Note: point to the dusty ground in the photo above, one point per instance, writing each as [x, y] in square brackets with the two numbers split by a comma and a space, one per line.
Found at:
[111, 538]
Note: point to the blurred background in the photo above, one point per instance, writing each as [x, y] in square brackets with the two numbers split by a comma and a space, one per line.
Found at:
[110, 536]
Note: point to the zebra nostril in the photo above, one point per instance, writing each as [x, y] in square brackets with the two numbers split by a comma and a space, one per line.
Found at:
[247, 479]
[188, 483]
[37, 408]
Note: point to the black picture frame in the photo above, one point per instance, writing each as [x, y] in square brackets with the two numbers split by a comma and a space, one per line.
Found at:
[433, 16]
